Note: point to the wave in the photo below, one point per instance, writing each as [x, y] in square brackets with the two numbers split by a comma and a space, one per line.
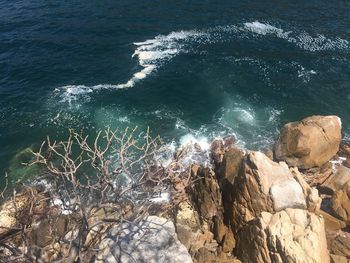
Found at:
[154, 52]
[303, 40]
[151, 54]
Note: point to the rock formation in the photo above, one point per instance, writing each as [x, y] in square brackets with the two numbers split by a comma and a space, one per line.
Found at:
[340, 203]
[153, 240]
[310, 142]
[243, 207]
[288, 236]
[266, 186]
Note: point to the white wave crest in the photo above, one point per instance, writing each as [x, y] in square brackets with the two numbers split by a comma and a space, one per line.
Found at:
[152, 53]
[303, 40]
[264, 29]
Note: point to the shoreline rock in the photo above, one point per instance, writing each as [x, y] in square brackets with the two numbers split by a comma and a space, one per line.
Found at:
[310, 142]
[247, 206]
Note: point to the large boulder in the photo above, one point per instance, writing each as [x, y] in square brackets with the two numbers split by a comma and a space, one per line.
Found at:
[310, 142]
[291, 235]
[266, 186]
[153, 240]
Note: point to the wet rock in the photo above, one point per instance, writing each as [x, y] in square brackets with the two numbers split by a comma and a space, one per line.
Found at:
[217, 150]
[310, 142]
[344, 149]
[340, 203]
[264, 185]
[153, 240]
[291, 235]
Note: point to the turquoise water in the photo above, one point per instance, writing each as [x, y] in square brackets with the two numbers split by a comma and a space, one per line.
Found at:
[183, 68]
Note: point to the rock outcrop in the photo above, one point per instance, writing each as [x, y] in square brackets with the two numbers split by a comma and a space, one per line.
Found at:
[337, 180]
[154, 240]
[340, 203]
[339, 243]
[310, 142]
[266, 186]
[288, 236]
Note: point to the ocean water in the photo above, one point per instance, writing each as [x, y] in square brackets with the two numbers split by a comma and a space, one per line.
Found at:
[189, 70]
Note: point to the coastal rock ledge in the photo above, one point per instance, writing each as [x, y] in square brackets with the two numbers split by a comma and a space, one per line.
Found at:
[245, 207]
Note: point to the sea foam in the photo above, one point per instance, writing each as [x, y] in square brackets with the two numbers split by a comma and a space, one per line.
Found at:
[153, 53]
[303, 40]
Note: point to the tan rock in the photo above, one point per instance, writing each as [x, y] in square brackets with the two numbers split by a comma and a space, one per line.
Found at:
[340, 203]
[347, 162]
[291, 235]
[310, 142]
[339, 243]
[318, 175]
[332, 223]
[232, 160]
[217, 150]
[338, 259]
[206, 198]
[264, 185]
[338, 179]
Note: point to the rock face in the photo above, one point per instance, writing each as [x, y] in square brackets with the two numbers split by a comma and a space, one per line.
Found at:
[310, 142]
[154, 240]
[292, 235]
[266, 186]
[340, 203]
[337, 180]
[232, 160]
[207, 199]
[339, 243]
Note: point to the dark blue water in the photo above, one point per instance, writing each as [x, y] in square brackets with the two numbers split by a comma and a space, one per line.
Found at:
[184, 68]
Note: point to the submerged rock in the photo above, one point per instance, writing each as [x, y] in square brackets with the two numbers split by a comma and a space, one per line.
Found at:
[292, 235]
[309, 143]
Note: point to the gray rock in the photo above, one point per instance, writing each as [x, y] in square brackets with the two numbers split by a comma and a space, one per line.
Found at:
[153, 240]
[286, 194]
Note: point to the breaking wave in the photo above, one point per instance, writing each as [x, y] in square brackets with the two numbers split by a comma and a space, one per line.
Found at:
[151, 54]
[303, 40]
